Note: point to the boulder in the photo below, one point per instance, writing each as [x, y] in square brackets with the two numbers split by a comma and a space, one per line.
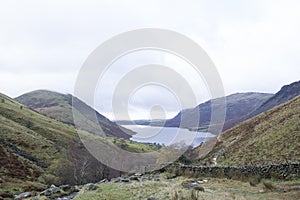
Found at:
[65, 187]
[116, 180]
[23, 195]
[103, 181]
[134, 178]
[125, 180]
[202, 181]
[90, 186]
[52, 190]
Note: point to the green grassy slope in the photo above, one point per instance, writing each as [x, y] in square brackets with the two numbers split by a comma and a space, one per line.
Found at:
[59, 106]
[36, 151]
[271, 137]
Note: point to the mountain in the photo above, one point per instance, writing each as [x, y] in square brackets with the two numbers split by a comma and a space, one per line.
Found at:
[270, 137]
[285, 94]
[237, 105]
[37, 151]
[59, 106]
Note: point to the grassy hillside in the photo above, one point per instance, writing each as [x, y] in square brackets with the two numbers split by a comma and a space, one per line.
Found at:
[271, 137]
[237, 105]
[173, 189]
[59, 106]
[36, 151]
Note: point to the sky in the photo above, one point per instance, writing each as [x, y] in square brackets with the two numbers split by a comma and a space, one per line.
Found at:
[43, 45]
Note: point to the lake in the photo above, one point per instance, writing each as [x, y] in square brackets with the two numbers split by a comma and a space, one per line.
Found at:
[167, 135]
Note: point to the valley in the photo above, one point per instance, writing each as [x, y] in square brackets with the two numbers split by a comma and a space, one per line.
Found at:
[40, 146]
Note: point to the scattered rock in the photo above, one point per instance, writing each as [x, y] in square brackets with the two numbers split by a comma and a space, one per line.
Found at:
[52, 190]
[23, 195]
[138, 174]
[46, 192]
[69, 197]
[134, 178]
[65, 187]
[125, 180]
[146, 177]
[202, 181]
[190, 185]
[199, 188]
[116, 180]
[90, 186]
[193, 185]
[103, 181]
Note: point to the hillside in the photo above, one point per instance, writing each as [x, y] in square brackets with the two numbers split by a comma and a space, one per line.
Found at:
[285, 94]
[271, 137]
[237, 105]
[59, 106]
[36, 151]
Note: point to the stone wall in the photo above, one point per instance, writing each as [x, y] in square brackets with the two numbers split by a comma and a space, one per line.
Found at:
[286, 171]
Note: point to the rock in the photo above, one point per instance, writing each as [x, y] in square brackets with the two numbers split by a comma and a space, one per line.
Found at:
[125, 180]
[156, 179]
[116, 180]
[90, 186]
[65, 187]
[134, 178]
[35, 198]
[202, 181]
[55, 190]
[23, 195]
[69, 197]
[190, 185]
[261, 191]
[103, 181]
[76, 188]
[52, 190]
[146, 177]
[46, 192]
[138, 174]
[151, 198]
[199, 188]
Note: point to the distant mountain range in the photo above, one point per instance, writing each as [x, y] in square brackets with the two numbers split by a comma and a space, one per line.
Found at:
[285, 94]
[59, 106]
[237, 105]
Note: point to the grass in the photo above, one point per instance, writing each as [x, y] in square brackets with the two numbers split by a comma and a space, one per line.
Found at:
[172, 189]
[42, 138]
[271, 137]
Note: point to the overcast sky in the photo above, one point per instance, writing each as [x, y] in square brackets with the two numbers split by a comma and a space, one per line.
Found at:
[254, 44]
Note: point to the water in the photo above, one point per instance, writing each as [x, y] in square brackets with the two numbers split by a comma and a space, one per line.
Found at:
[167, 135]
